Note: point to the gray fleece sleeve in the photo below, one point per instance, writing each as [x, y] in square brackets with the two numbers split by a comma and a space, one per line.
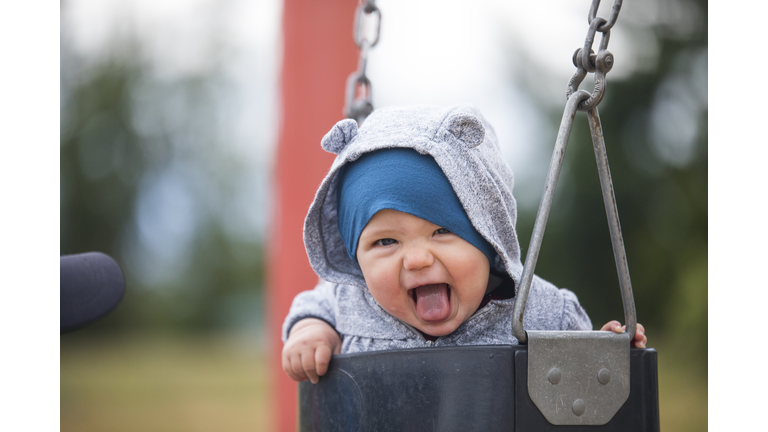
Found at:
[574, 316]
[318, 303]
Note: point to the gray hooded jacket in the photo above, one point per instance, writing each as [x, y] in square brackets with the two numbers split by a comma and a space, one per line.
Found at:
[465, 147]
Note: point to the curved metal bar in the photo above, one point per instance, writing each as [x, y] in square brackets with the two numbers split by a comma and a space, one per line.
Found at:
[611, 211]
[593, 10]
[597, 94]
[611, 18]
[566, 124]
[604, 41]
[577, 78]
[588, 41]
[609, 200]
[364, 9]
[604, 63]
[358, 108]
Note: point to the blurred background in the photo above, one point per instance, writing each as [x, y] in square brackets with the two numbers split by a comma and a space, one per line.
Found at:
[169, 132]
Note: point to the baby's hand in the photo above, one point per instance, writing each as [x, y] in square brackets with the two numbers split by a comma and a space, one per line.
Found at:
[308, 350]
[640, 339]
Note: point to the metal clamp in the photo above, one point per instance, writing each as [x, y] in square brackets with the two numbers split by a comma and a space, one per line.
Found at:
[578, 378]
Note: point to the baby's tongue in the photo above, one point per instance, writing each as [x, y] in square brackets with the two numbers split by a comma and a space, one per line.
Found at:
[432, 302]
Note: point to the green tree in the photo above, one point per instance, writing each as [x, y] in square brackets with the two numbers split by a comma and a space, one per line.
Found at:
[125, 135]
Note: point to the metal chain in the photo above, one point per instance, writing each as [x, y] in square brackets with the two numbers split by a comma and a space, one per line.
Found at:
[586, 60]
[358, 104]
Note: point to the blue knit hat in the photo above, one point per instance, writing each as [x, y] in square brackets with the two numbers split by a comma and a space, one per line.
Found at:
[400, 179]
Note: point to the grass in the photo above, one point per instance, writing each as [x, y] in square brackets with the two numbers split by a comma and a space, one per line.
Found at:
[206, 383]
[683, 393]
[163, 384]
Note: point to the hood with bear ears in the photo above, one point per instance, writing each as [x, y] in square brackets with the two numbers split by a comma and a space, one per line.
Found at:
[465, 147]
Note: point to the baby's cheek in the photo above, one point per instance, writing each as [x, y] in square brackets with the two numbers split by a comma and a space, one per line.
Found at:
[383, 277]
[387, 294]
[383, 286]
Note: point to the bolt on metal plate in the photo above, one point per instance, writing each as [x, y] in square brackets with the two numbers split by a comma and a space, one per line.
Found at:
[578, 377]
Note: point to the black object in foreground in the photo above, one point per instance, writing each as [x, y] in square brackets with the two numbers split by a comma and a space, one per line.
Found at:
[92, 285]
[469, 388]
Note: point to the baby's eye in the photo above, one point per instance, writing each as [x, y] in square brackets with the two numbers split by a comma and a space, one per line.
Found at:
[442, 231]
[385, 242]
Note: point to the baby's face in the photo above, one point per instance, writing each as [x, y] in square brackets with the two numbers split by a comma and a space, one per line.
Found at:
[421, 273]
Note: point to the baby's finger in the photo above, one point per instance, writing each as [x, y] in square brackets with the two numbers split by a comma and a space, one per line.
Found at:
[640, 342]
[297, 369]
[640, 329]
[308, 363]
[640, 338]
[287, 364]
[322, 359]
[613, 326]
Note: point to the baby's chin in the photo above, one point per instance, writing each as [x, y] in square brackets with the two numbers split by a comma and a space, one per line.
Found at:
[439, 329]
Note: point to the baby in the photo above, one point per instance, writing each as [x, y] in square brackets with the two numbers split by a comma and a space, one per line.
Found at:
[412, 233]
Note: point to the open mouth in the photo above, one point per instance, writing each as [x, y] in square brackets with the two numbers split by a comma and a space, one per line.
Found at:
[432, 302]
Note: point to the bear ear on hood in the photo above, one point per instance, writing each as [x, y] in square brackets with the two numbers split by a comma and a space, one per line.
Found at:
[339, 136]
[466, 128]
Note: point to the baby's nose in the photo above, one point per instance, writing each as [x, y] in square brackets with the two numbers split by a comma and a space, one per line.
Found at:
[417, 258]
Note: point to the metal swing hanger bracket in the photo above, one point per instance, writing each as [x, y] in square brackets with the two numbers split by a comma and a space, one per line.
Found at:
[358, 102]
[580, 378]
[609, 200]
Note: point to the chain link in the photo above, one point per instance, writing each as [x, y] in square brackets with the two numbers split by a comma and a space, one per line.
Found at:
[358, 103]
[611, 19]
[586, 60]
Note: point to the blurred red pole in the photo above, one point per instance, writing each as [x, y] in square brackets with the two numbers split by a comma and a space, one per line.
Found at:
[318, 55]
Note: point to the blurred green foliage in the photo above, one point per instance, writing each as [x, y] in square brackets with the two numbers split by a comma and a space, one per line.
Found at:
[115, 151]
